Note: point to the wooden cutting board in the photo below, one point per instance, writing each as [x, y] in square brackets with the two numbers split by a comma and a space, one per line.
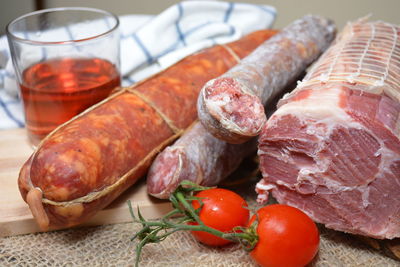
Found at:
[15, 216]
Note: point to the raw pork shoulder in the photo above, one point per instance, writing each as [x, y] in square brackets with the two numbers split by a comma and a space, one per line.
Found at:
[332, 148]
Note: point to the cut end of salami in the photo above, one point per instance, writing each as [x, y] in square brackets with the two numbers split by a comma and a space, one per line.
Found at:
[231, 107]
[164, 175]
[233, 111]
[332, 148]
[196, 156]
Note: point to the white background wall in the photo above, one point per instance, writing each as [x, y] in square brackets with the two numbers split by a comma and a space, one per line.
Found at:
[288, 10]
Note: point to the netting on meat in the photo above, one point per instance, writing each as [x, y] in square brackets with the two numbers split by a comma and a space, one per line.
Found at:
[366, 55]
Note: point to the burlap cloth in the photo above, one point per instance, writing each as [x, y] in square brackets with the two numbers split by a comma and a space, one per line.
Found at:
[110, 245]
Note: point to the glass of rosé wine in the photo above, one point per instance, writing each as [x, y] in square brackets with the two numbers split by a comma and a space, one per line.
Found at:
[65, 60]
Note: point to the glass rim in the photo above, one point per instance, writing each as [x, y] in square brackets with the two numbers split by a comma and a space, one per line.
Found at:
[47, 10]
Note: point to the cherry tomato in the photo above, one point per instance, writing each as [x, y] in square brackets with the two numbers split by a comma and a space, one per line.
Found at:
[287, 237]
[222, 210]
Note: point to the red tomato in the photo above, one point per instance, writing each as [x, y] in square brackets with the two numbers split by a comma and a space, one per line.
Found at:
[222, 210]
[287, 237]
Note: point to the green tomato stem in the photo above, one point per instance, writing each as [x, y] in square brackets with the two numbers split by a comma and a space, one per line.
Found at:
[188, 207]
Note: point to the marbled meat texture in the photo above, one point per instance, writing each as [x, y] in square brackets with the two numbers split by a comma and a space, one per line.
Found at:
[332, 148]
[86, 163]
[231, 107]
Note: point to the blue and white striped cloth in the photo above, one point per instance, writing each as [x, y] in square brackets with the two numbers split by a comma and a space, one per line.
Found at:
[152, 43]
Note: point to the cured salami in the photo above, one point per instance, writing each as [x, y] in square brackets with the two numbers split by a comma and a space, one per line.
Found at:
[196, 156]
[199, 157]
[231, 106]
[87, 162]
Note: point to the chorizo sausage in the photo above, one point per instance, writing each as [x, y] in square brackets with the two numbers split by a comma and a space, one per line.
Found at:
[231, 106]
[84, 164]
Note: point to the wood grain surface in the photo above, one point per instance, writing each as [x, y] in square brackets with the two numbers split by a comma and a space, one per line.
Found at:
[15, 216]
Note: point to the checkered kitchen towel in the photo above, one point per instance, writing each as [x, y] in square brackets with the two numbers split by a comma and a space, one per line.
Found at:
[152, 43]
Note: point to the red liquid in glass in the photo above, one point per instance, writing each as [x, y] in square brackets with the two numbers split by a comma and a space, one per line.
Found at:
[56, 90]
